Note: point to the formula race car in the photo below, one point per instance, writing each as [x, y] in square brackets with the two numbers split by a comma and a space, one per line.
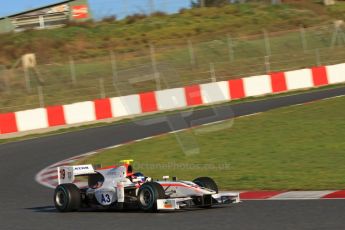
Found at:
[121, 188]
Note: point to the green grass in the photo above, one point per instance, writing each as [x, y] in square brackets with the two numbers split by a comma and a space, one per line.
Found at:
[208, 29]
[299, 147]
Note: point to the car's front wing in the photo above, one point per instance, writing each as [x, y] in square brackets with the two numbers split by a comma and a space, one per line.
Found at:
[179, 203]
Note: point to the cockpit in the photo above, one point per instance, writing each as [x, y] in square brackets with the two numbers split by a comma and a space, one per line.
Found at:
[95, 180]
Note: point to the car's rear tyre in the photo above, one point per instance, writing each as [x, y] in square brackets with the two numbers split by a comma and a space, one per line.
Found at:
[148, 195]
[67, 198]
[206, 182]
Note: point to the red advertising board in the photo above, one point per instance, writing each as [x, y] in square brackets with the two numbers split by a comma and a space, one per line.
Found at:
[80, 12]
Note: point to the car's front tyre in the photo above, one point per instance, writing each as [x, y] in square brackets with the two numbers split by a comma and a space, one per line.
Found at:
[148, 195]
[209, 183]
[206, 182]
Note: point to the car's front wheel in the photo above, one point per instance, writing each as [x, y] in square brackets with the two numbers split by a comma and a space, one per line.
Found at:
[67, 198]
[209, 183]
[206, 182]
[148, 195]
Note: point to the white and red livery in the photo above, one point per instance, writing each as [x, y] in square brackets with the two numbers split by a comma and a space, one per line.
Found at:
[119, 188]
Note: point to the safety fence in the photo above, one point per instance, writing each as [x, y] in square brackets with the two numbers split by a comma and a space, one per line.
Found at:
[168, 64]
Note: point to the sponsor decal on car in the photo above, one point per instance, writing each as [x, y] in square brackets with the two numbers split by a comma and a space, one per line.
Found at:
[81, 168]
[62, 174]
[168, 204]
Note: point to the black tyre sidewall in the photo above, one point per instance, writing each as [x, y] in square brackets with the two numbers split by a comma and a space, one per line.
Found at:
[72, 198]
[62, 208]
[206, 182]
[157, 192]
[160, 191]
[150, 206]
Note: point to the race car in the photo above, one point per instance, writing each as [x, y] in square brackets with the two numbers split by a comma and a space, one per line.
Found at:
[118, 187]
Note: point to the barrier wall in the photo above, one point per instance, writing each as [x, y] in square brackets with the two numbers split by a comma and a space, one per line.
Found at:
[170, 99]
[257, 85]
[336, 73]
[79, 112]
[125, 106]
[26, 122]
[215, 92]
[299, 79]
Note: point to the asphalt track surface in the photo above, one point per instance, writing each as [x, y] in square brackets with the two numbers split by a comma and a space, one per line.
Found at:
[24, 204]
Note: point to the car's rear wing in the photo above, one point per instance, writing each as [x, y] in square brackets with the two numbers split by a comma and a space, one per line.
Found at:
[67, 174]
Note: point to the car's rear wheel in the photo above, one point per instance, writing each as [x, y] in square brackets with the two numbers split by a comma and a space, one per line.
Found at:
[67, 198]
[206, 182]
[148, 195]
